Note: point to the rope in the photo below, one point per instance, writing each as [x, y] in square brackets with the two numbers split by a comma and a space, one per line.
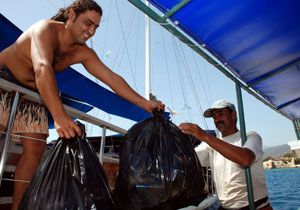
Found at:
[125, 42]
[186, 109]
[167, 65]
[201, 81]
[106, 29]
[179, 71]
[137, 44]
[126, 35]
[16, 180]
[193, 86]
[52, 4]
[21, 136]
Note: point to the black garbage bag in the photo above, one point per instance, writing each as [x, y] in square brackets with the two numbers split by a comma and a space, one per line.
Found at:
[159, 168]
[70, 178]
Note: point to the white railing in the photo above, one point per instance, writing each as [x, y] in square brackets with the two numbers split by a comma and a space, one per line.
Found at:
[33, 96]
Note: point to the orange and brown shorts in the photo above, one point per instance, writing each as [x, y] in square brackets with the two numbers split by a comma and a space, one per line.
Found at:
[31, 117]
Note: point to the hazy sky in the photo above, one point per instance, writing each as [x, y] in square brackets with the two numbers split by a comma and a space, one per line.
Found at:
[180, 77]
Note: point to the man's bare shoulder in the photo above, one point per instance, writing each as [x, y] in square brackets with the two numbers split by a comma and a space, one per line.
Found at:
[87, 53]
[46, 25]
[45, 29]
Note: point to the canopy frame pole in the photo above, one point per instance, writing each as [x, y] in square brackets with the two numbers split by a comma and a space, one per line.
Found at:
[8, 133]
[273, 73]
[281, 106]
[296, 124]
[175, 9]
[244, 139]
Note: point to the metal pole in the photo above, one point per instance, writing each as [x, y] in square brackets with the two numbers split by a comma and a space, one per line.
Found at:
[101, 153]
[175, 9]
[244, 139]
[147, 56]
[8, 133]
[296, 124]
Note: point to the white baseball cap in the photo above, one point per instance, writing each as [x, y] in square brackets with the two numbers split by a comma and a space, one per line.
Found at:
[219, 105]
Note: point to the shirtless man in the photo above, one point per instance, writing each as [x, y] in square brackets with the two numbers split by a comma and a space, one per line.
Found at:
[47, 47]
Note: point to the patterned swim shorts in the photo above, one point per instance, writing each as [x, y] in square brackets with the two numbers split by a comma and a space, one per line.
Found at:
[31, 117]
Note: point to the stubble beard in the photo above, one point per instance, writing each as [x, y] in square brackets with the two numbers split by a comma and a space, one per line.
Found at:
[221, 126]
[82, 40]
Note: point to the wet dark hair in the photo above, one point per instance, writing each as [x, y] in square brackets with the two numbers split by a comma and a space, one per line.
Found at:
[79, 6]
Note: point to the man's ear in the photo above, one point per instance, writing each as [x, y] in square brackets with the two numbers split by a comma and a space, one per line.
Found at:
[234, 114]
[71, 15]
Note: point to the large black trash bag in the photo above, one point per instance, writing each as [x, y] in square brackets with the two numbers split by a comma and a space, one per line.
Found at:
[70, 178]
[159, 168]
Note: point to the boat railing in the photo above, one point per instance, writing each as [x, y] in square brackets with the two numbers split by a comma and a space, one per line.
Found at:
[35, 97]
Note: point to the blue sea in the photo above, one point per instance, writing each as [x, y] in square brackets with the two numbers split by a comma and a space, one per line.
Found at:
[284, 188]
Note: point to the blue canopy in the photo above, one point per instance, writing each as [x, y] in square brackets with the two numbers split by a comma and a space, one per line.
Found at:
[258, 41]
[71, 84]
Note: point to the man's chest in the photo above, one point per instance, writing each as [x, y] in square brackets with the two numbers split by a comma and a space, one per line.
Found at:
[64, 59]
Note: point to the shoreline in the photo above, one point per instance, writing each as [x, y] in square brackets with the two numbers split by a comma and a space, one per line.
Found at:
[273, 164]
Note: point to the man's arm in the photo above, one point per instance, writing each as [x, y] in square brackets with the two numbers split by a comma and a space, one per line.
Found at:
[95, 67]
[241, 156]
[42, 48]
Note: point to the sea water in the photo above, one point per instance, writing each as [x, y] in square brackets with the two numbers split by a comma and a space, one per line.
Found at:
[284, 188]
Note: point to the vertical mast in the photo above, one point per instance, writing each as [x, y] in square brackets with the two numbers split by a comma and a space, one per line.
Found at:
[147, 55]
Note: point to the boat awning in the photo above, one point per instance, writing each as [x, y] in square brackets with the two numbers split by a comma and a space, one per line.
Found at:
[256, 42]
[71, 84]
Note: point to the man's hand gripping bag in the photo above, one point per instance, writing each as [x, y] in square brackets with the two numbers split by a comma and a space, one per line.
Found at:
[70, 178]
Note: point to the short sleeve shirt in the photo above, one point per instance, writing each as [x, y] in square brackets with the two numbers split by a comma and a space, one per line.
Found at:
[229, 177]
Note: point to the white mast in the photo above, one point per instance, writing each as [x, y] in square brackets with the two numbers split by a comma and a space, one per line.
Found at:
[147, 56]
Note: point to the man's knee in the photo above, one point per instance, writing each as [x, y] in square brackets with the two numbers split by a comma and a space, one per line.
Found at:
[33, 145]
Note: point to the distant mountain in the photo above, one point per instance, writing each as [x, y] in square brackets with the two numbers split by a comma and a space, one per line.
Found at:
[276, 151]
[265, 147]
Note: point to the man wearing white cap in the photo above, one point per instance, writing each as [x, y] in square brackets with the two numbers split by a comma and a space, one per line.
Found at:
[228, 158]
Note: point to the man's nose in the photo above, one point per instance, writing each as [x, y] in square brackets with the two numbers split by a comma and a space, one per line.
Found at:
[92, 30]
